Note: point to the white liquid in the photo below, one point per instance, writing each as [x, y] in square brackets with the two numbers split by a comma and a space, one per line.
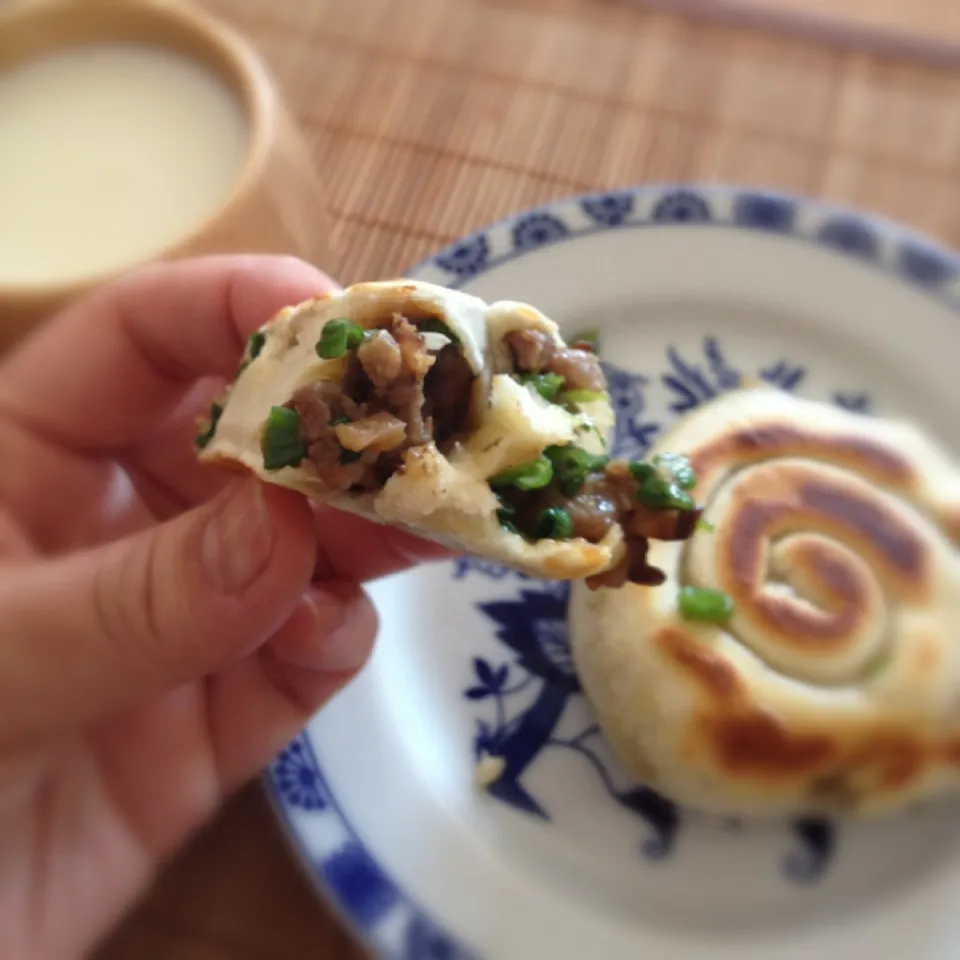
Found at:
[107, 155]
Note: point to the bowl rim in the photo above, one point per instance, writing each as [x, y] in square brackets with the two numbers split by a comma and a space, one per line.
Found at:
[246, 75]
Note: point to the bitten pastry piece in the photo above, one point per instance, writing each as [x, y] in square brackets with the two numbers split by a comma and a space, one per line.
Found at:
[805, 657]
[472, 424]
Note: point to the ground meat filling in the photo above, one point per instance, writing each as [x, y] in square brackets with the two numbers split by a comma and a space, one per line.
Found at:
[645, 501]
[395, 394]
[535, 352]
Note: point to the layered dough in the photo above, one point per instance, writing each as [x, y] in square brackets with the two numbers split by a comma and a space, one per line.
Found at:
[836, 684]
[480, 419]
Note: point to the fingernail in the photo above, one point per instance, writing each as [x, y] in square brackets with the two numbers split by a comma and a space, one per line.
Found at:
[238, 540]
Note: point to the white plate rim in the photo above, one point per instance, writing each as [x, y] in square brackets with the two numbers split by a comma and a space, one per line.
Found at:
[296, 786]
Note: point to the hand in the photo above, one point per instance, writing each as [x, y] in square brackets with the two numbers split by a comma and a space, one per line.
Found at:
[165, 628]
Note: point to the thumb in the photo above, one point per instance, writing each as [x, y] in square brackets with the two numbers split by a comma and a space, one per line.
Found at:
[93, 632]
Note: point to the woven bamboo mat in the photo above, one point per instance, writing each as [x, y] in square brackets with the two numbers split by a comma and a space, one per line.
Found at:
[429, 118]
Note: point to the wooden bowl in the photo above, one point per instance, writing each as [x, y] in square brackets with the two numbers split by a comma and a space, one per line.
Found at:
[274, 204]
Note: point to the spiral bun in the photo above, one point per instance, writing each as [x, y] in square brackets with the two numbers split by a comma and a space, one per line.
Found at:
[836, 684]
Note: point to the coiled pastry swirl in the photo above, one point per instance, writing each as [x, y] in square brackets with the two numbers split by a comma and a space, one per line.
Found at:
[836, 684]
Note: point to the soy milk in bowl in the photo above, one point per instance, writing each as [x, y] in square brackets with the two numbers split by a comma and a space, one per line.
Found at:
[109, 153]
[137, 130]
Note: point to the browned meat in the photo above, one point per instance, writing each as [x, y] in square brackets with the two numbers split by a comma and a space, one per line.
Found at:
[417, 360]
[662, 524]
[607, 498]
[380, 358]
[388, 400]
[532, 350]
[580, 370]
[449, 392]
[593, 515]
[633, 568]
[378, 432]
[616, 485]
[639, 570]
[404, 396]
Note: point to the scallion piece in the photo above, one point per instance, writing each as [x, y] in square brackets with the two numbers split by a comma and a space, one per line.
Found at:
[338, 338]
[339, 421]
[281, 442]
[675, 468]
[572, 465]
[705, 526]
[255, 344]
[527, 476]
[554, 523]
[705, 606]
[655, 493]
[548, 385]
[581, 396]
[216, 412]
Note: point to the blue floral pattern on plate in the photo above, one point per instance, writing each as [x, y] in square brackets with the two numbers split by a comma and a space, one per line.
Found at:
[529, 620]
[610, 209]
[536, 229]
[681, 206]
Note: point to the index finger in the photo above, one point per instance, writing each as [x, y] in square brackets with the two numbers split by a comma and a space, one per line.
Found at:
[95, 377]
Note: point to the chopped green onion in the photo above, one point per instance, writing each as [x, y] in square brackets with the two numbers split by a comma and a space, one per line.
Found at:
[706, 526]
[436, 325]
[705, 606]
[640, 470]
[675, 468]
[554, 523]
[216, 412]
[256, 343]
[339, 421]
[548, 385]
[571, 465]
[338, 338]
[656, 493]
[527, 476]
[581, 396]
[281, 442]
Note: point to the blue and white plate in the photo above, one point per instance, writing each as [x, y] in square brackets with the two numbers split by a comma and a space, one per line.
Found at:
[566, 858]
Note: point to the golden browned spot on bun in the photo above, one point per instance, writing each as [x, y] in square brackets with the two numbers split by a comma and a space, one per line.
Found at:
[951, 523]
[877, 531]
[780, 440]
[757, 744]
[713, 674]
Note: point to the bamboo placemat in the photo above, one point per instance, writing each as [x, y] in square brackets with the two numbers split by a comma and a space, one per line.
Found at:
[430, 118]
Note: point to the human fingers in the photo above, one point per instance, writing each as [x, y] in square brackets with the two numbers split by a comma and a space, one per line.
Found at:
[98, 375]
[98, 631]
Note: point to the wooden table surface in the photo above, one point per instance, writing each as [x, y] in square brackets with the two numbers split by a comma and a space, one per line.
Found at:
[429, 118]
